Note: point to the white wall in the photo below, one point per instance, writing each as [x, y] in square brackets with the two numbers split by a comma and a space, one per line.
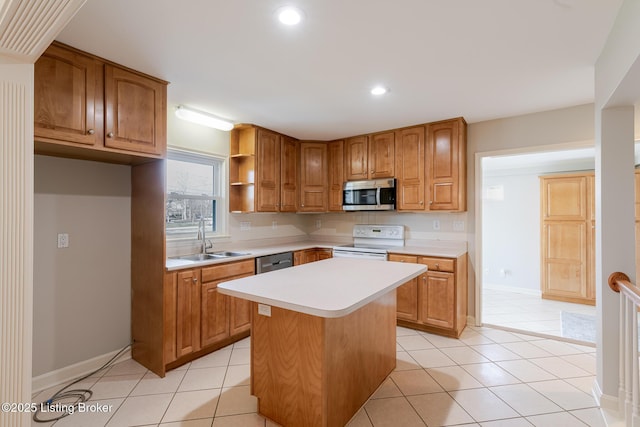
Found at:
[82, 294]
[511, 226]
[567, 126]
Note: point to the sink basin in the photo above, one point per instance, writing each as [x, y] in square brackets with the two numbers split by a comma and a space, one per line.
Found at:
[215, 255]
[229, 254]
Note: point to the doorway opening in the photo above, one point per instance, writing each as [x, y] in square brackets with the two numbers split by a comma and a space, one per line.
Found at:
[512, 234]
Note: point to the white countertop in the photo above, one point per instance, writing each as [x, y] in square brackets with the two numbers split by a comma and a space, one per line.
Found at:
[329, 288]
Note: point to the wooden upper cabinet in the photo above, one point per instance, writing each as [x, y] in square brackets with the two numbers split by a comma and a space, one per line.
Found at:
[68, 97]
[335, 158]
[87, 107]
[370, 156]
[410, 158]
[268, 171]
[355, 158]
[135, 112]
[446, 165]
[263, 171]
[289, 174]
[313, 177]
[381, 155]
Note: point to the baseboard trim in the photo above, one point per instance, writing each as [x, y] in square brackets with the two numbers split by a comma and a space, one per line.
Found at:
[503, 288]
[608, 406]
[72, 372]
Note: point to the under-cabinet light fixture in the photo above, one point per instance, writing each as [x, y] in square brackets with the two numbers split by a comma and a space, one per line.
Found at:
[202, 118]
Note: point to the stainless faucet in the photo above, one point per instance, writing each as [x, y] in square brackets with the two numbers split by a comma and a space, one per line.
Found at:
[201, 236]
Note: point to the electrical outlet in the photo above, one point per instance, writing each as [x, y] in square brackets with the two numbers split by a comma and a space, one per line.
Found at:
[264, 310]
[436, 224]
[63, 240]
[274, 224]
[458, 225]
[318, 223]
[245, 226]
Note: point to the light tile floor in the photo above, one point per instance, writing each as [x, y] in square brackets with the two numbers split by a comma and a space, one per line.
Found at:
[488, 377]
[527, 312]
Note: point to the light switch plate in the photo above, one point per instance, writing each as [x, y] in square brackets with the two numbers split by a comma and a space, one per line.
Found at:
[264, 310]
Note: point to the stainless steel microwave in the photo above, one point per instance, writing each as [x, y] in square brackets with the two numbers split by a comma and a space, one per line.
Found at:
[369, 195]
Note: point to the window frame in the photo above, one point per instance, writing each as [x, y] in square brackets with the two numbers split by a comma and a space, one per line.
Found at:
[220, 191]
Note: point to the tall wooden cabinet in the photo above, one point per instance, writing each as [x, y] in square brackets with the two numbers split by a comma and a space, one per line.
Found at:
[83, 101]
[567, 239]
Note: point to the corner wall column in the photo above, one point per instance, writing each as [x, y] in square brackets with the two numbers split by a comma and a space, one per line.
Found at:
[16, 238]
[615, 237]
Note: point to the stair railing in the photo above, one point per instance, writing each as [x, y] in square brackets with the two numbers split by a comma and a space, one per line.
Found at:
[628, 379]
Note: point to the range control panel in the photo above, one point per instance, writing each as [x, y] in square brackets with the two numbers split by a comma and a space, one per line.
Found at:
[392, 232]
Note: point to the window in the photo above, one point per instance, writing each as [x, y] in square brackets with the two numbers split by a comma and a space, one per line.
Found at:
[195, 192]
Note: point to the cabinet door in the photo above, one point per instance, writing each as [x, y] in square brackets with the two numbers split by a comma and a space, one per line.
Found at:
[407, 294]
[313, 177]
[135, 111]
[289, 175]
[446, 166]
[355, 158]
[410, 175]
[381, 159]
[437, 299]
[187, 312]
[324, 254]
[268, 171]
[215, 314]
[335, 158]
[240, 315]
[565, 198]
[564, 266]
[68, 99]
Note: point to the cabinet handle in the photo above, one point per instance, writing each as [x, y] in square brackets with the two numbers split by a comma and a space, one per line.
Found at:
[195, 280]
[372, 171]
[91, 131]
[430, 202]
[437, 266]
[422, 202]
[110, 135]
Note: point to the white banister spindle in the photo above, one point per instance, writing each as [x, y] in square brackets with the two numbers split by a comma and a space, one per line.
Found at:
[633, 351]
[629, 371]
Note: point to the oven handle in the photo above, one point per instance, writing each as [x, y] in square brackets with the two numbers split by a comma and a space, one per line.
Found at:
[378, 196]
[362, 255]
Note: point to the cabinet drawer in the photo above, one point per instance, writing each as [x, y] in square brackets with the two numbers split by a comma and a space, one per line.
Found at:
[438, 264]
[216, 272]
[403, 258]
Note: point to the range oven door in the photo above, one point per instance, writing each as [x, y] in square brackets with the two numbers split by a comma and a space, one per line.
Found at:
[354, 253]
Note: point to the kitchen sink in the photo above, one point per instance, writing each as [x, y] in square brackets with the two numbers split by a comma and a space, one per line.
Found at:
[215, 255]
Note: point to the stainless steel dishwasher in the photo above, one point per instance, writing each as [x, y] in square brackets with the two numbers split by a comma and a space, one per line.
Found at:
[274, 262]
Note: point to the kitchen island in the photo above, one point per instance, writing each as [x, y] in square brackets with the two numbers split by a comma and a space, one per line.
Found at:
[323, 336]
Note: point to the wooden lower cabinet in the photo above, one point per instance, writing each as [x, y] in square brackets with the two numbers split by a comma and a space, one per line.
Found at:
[199, 319]
[311, 255]
[436, 301]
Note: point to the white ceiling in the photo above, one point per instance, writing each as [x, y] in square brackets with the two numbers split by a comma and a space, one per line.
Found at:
[480, 59]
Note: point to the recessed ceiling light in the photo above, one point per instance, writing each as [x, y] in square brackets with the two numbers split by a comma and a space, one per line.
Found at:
[289, 15]
[379, 90]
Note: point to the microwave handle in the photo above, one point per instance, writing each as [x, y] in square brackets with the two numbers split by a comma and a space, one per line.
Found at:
[378, 196]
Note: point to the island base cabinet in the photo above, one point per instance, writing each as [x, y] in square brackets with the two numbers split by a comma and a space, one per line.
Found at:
[310, 371]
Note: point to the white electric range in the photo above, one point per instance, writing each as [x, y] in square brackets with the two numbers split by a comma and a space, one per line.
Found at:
[371, 242]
